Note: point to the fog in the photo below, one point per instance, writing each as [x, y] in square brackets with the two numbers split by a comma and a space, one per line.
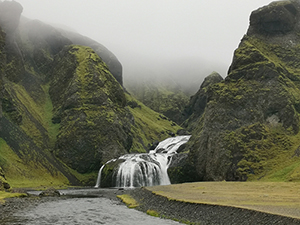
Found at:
[181, 39]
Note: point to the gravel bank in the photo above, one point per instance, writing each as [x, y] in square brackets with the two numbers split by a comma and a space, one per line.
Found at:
[203, 213]
[192, 212]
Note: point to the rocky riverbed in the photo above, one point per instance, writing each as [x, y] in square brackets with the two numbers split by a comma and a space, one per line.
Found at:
[182, 211]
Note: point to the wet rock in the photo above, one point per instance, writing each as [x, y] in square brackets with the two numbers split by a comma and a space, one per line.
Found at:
[50, 193]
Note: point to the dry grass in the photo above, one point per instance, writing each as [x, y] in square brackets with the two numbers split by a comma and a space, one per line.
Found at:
[273, 197]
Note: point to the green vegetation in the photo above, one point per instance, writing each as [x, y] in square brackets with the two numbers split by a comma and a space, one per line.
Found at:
[4, 195]
[149, 126]
[22, 173]
[128, 200]
[151, 212]
[165, 99]
[262, 151]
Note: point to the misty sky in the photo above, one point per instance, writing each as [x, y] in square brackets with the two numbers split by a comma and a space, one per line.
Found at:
[174, 37]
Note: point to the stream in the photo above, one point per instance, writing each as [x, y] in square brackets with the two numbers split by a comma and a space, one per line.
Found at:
[85, 206]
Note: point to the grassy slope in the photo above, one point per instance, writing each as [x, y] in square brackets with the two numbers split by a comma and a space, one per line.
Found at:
[273, 197]
[149, 126]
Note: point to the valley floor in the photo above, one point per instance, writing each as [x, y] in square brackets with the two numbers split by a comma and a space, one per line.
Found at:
[197, 203]
[225, 202]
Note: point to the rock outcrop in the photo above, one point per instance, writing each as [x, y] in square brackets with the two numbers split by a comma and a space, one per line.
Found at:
[3, 182]
[252, 117]
[197, 104]
[90, 105]
[114, 65]
[10, 12]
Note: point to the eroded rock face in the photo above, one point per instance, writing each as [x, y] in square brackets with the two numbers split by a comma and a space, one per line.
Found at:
[10, 12]
[3, 183]
[90, 105]
[276, 18]
[256, 105]
[114, 65]
[197, 103]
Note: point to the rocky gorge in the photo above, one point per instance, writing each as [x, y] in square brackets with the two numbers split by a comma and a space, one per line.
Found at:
[65, 112]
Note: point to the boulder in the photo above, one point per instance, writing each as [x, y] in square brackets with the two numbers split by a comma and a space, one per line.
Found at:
[51, 192]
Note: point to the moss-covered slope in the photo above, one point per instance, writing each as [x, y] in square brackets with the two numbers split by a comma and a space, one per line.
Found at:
[164, 97]
[250, 126]
[62, 112]
[90, 106]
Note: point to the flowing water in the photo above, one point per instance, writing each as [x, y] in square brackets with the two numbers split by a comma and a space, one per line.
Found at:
[83, 210]
[146, 169]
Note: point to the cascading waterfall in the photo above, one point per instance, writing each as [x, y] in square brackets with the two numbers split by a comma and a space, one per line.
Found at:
[146, 169]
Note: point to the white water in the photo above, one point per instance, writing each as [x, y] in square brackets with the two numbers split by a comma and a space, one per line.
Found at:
[100, 171]
[147, 169]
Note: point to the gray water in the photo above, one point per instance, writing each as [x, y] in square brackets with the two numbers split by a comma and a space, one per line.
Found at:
[85, 210]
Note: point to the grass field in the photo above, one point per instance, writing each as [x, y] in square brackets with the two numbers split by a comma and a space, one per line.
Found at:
[282, 198]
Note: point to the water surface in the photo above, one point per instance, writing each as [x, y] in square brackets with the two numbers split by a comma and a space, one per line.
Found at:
[84, 210]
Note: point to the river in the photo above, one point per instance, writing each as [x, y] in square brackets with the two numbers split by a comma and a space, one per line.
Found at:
[83, 208]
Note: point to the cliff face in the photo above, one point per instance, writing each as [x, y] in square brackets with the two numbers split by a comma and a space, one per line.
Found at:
[90, 105]
[114, 65]
[61, 108]
[250, 124]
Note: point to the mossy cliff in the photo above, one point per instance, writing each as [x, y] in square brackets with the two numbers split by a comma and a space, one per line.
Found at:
[89, 104]
[249, 128]
[62, 112]
[114, 65]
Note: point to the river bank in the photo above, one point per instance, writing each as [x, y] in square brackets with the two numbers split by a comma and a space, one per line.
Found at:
[197, 213]
[167, 202]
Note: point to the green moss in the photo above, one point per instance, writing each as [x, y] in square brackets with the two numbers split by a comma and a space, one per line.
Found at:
[148, 126]
[128, 200]
[152, 213]
[53, 129]
[5, 195]
[263, 153]
[25, 173]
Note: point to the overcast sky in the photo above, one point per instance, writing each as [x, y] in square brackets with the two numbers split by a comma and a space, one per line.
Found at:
[156, 36]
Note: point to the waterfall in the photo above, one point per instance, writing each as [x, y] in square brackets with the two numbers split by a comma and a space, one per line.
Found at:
[146, 169]
[100, 171]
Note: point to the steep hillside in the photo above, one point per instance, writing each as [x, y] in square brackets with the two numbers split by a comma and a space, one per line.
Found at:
[249, 129]
[161, 95]
[62, 112]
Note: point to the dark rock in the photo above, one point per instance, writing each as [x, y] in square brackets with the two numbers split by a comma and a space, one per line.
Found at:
[182, 132]
[10, 12]
[154, 145]
[198, 102]
[114, 65]
[50, 193]
[94, 103]
[133, 104]
[276, 18]
[4, 185]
